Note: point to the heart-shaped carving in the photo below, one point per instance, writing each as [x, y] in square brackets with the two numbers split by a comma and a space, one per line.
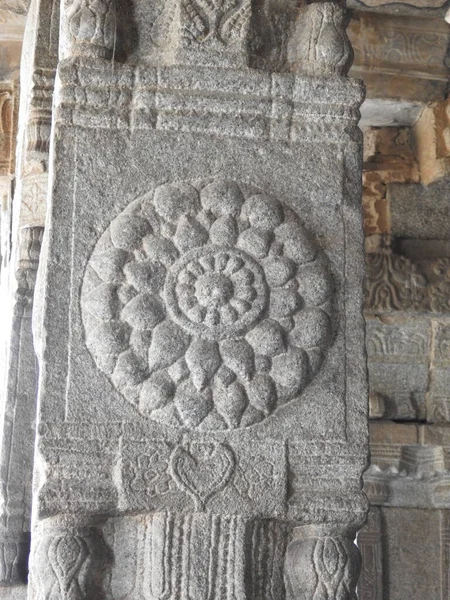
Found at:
[202, 470]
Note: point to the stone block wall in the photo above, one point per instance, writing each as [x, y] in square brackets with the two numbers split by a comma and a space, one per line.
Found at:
[406, 191]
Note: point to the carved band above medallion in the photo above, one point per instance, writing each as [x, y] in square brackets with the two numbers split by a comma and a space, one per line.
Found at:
[207, 304]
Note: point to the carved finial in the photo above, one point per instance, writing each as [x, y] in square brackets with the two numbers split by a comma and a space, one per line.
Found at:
[320, 45]
[205, 32]
[89, 28]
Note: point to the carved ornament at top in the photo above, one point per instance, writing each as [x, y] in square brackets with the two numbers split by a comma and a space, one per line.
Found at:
[207, 305]
[208, 22]
[89, 28]
[320, 45]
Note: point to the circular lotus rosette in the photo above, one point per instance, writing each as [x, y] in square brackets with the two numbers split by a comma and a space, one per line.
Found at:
[207, 304]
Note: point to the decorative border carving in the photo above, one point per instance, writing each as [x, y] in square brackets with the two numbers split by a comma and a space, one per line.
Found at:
[245, 104]
[396, 283]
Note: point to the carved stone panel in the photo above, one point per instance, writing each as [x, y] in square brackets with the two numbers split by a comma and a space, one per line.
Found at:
[196, 303]
[439, 405]
[168, 474]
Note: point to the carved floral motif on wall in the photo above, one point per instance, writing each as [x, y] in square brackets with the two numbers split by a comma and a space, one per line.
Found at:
[207, 304]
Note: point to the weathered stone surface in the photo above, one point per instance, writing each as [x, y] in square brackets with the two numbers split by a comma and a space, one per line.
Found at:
[432, 141]
[398, 361]
[18, 419]
[8, 113]
[417, 8]
[420, 212]
[320, 563]
[392, 554]
[17, 592]
[11, 36]
[396, 284]
[19, 7]
[370, 544]
[192, 347]
[404, 63]
[402, 529]
[388, 158]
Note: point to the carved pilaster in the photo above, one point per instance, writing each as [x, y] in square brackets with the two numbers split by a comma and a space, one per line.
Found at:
[40, 111]
[14, 551]
[370, 585]
[7, 119]
[322, 563]
[19, 411]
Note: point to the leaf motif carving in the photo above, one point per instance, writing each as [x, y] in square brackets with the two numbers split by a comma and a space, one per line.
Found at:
[233, 26]
[160, 32]
[195, 23]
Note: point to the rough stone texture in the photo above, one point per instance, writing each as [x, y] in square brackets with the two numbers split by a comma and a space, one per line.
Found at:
[22, 221]
[398, 359]
[202, 401]
[407, 262]
[408, 486]
[181, 281]
[8, 100]
[38, 67]
[11, 37]
[418, 8]
[404, 557]
[370, 544]
[407, 333]
[420, 212]
[17, 592]
[392, 554]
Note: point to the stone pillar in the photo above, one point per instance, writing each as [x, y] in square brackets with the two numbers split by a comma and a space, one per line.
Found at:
[23, 217]
[202, 398]
[8, 111]
[18, 420]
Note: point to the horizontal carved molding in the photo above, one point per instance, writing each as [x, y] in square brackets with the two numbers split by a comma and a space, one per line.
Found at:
[133, 470]
[246, 104]
[400, 57]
